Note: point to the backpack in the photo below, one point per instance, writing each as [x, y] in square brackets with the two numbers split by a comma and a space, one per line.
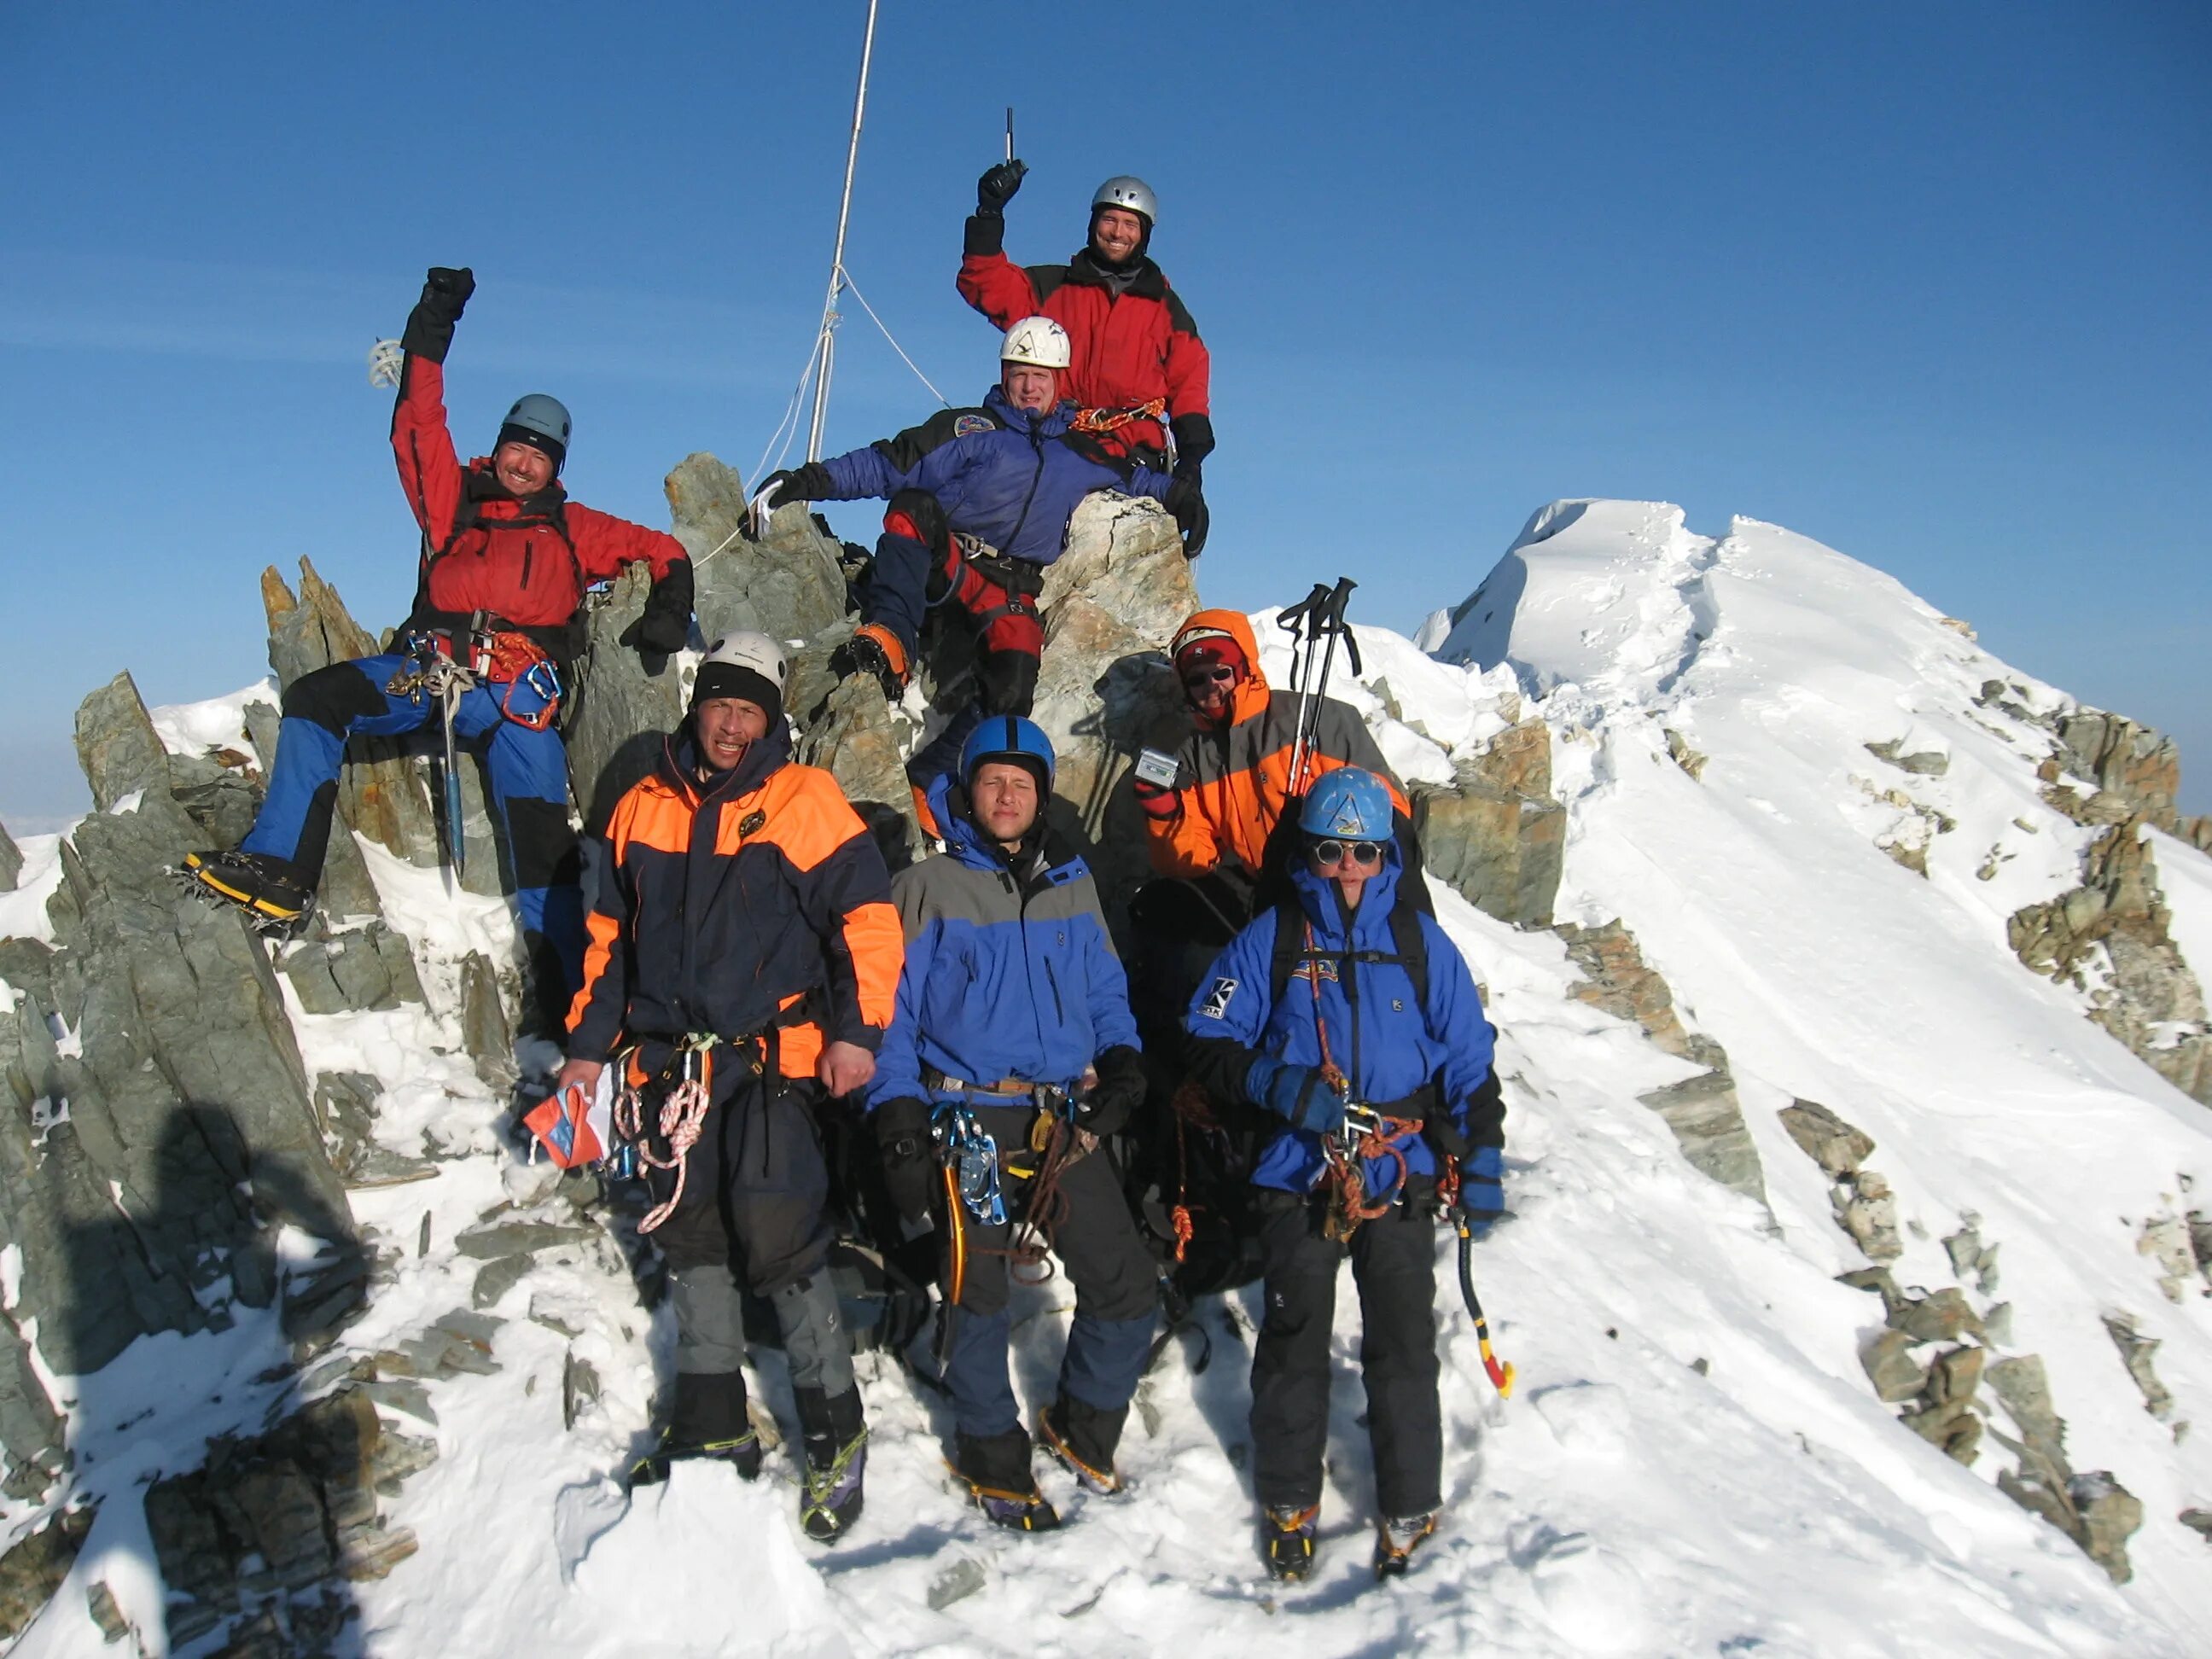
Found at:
[1412, 951]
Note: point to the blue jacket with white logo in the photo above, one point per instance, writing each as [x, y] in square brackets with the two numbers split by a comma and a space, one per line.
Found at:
[1009, 971]
[1011, 480]
[1387, 1045]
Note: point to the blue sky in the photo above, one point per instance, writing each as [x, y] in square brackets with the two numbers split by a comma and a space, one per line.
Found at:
[1926, 282]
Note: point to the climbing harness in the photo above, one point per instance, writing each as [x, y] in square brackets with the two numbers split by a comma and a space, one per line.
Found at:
[682, 1117]
[1365, 1133]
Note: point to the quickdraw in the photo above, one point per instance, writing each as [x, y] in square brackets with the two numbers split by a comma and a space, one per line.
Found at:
[682, 1118]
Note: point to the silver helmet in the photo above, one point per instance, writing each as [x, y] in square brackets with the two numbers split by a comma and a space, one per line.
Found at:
[1124, 191]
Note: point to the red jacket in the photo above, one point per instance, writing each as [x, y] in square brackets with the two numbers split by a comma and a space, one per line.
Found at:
[526, 561]
[1128, 350]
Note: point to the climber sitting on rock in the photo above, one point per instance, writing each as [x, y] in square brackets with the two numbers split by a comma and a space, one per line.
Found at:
[506, 558]
[979, 503]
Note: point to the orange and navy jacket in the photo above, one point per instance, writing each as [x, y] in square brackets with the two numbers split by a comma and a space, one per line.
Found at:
[757, 901]
[526, 561]
[1234, 774]
[1128, 348]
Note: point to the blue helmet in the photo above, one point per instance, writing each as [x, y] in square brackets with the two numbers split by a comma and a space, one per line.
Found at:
[1009, 737]
[1349, 803]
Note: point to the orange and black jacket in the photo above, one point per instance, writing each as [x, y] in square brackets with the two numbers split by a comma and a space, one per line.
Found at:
[756, 902]
[1234, 775]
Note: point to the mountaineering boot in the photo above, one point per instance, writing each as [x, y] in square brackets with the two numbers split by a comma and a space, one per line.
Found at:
[707, 1421]
[836, 1442]
[1396, 1540]
[1286, 1535]
[996, 1468]
[269, 890]
[873, 649]
[1082, 1438]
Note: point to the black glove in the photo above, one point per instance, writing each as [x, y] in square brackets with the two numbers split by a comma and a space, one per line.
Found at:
[1444, 1136]
[997, 186]
[665, 623]
[1194, 442]
[810, 483]
[1107, 1109]
[909, 1159]
[429, 330]
[1186, 502]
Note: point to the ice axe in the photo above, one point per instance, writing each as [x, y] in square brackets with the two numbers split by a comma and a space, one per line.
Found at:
[1501, 1376]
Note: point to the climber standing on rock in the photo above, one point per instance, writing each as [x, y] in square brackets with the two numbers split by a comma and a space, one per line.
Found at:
[506, 559]
[1013, 1058]
[744, 962]
[1354, 1020]
[1137, 354]
[980, 504]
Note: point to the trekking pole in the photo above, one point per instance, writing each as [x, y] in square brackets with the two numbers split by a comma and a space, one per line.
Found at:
[1295, 623]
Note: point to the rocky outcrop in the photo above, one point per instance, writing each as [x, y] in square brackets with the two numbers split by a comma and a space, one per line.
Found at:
[2092, 1509]
[1497, 836]
[1703, 1111]
[790, 584]
[2109, 937]
[269, 1533]
[180, 1121]
[11, 861]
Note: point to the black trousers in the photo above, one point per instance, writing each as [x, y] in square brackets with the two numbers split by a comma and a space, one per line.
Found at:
[757, 1188]
[1394, 1265]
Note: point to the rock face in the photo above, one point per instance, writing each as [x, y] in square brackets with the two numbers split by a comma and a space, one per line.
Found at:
[140, 1171]
[1497, 836]
[2094, 1509]
[1703, 1111]
[11, 860]
[2149, 999]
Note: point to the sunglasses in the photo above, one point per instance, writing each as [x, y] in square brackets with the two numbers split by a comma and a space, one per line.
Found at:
[1201, 679]
[1328, 852]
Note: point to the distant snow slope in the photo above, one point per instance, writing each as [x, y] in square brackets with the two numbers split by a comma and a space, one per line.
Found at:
[1694, 1462]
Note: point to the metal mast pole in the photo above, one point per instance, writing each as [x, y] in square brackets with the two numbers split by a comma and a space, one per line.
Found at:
[837, 259]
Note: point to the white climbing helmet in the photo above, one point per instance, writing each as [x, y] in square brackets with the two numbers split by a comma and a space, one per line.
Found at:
[1038, 341]
[748, 649]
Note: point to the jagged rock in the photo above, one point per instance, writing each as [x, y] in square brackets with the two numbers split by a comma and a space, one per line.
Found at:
[367, 968]
[1707, 1120]
[1971, 1258]
[219, 796]
[2153, 1004]
[2136, 1353]
[2110, 1516]
[1616, 980]
[382, 793]
[1878, 1280]
[579, 1387]
[513, 1238]
[485, 1033]
[1929, 763]
[790, 585]
[2200, 1242]
[623, 704]
[133, 1210]
[956, 1583]
[2139, 765]
[291, 1514]
[498, 1277]
[1866, 1210]
[1955, 1374]
[11, 861]
[1890, 1367]
[100, 1603]
[1834, 1145]
[345, 1104]
[1679, 750]
[2023, 1385]
[857, 741]
[2199, 1522]
[1950, 1424]
[33, 1568]
[1944, 1316]
[1997, 1326]
[1497, 836]
[2171, 1241]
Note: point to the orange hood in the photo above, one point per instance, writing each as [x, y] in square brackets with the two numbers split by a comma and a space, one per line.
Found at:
[1250, 696]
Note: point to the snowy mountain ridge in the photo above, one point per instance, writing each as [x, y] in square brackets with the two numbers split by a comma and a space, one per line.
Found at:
[1792, 781]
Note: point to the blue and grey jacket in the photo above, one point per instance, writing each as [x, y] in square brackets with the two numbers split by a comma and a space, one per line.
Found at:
[1007, 478]
[1388, 1047]
[1009, 972]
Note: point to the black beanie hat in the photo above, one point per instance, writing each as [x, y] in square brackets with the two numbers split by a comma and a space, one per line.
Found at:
[731, 679]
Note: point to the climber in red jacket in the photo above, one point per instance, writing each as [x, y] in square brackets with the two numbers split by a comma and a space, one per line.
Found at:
[1137, 355]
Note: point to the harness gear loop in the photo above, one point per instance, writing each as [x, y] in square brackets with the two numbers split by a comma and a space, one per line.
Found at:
[682, 1118]
[1367, 1133]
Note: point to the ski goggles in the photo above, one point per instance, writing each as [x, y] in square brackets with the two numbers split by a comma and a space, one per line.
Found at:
[1368, 854]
